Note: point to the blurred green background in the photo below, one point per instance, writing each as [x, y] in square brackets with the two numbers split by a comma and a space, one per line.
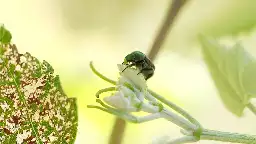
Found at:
[69, 34]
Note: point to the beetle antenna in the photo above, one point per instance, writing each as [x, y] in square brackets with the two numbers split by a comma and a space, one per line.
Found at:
[125, 68]
[133, 64]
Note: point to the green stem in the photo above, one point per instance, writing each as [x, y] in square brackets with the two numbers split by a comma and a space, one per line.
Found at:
[178, 120]
[176, 108]
[100, 75]
[100, 108]
[110, 110]
[227, 137]
[115, 112]
[105, 90]
[252, 108]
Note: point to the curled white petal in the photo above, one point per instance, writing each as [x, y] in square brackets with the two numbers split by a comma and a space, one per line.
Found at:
[147, 107]
[131, 76]
[149, 97]
[118, 100]
[124, 99]
[126, 91]
[140, 96]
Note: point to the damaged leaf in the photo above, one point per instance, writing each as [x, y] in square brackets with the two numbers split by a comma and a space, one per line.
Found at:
[33, 107]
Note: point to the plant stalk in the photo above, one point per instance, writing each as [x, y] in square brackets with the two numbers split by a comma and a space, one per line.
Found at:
[252, 108]
[227, 137]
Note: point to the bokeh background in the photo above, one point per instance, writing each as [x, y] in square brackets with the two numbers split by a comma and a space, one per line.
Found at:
[69, 34]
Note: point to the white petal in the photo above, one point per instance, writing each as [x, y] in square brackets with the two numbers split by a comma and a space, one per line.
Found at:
[126, 91]
[147, 107]
[118, 100]
[149, 97]
[131, 76]
[140, 96]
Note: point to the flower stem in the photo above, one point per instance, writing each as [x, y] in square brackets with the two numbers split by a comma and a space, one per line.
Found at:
[100, 75]
[252, 108]
[100, 108]
[105, 90]
[112, 111]
[176, 108]
[228, 137]
[178, 120]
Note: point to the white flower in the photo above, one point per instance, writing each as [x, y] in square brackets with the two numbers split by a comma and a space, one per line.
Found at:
[131, 76]
[124, 99]
[131, 89]
[132, 92]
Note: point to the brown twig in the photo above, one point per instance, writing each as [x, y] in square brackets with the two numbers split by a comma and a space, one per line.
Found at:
[172, 12]
[175, 6]
[117, 134]
[252, 108]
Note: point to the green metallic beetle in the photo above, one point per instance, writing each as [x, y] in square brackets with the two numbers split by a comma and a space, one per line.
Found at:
[141, 62]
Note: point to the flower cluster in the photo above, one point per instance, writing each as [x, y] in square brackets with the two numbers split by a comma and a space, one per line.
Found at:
[131, 93]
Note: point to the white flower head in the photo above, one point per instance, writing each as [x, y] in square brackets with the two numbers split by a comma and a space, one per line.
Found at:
[130, 75]
[124, 99]
[131, 88]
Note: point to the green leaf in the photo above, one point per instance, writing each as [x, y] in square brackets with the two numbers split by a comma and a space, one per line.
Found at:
[5, 35]
[231, 69]
[33, 106]
[249, 79]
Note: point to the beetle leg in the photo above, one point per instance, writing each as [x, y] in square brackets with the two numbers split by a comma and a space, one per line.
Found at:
[147, 69]
[142, 64]
[149, 76]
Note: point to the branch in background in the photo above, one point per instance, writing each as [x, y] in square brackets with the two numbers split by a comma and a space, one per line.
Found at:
[117, 131]
[252, 108]
[172, 12]
[175, 6]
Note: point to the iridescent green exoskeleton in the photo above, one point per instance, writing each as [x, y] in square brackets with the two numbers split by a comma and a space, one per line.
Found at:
[141, 62]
